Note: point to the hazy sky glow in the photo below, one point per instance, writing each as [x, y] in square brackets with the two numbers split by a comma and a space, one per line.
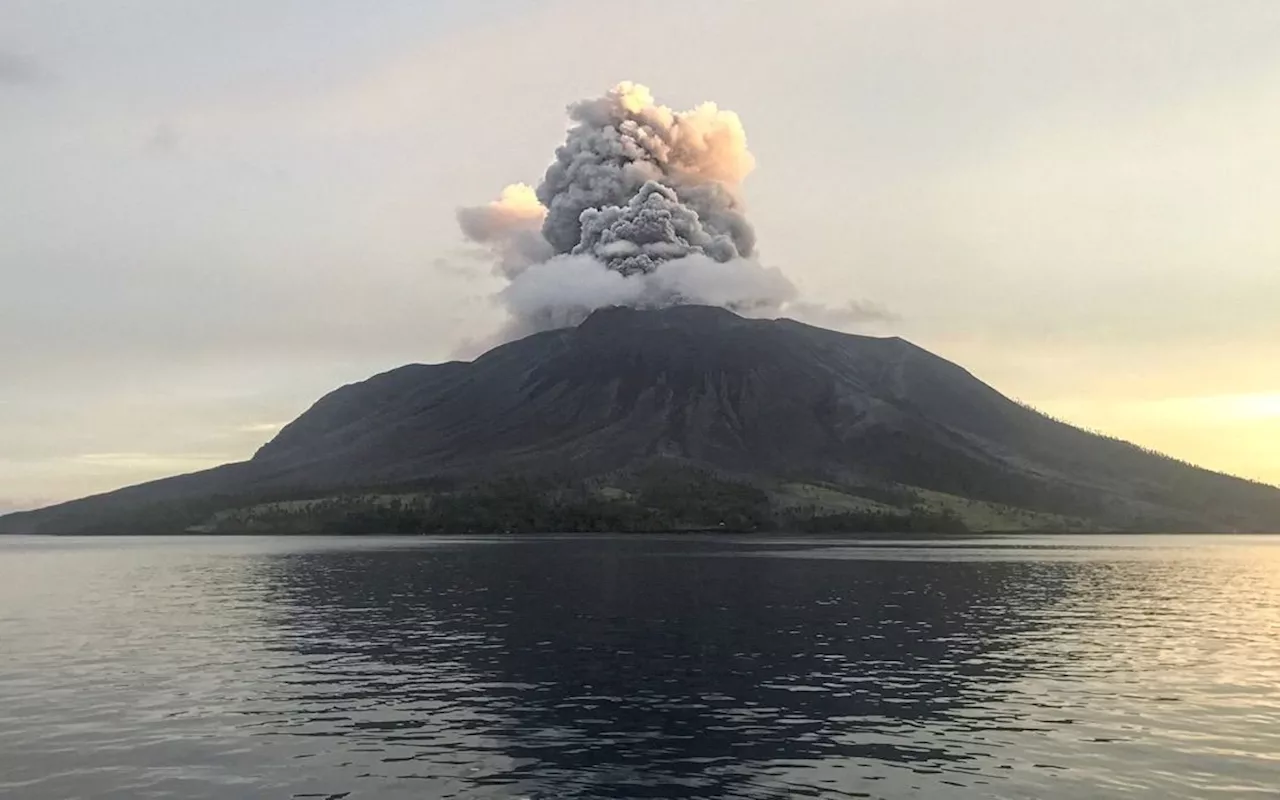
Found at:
[213, 213]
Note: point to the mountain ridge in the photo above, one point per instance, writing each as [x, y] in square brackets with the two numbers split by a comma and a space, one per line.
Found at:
[762, 403]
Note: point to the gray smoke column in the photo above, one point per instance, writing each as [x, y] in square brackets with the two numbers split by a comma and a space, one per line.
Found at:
[623, 143]
[653, 227]
[642, 206]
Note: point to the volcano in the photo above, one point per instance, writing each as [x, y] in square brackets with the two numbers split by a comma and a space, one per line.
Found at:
[680, 418]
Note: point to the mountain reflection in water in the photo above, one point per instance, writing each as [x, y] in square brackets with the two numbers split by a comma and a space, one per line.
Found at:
[651, 667]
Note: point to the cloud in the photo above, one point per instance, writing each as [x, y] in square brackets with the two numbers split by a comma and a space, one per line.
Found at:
[1221, 409]
[10, 505]
[164, 140]
[261, 427]
[854, 313]
[510, 228]
[157, 461]
[18, 70]
[642, 206]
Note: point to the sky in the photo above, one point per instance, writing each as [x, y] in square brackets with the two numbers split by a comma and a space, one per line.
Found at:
[214, 213]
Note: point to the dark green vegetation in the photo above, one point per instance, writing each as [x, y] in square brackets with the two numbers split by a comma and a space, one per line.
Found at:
[658, 497]
[662, 500]
[686, 418]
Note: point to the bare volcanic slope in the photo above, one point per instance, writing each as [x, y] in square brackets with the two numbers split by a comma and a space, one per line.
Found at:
[771, 404]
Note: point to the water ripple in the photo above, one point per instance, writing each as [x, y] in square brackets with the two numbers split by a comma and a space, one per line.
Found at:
[1144, 667]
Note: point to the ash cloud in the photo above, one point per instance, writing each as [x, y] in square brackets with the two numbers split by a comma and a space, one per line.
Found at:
[642, 206]
[623, 142]
[510, 228]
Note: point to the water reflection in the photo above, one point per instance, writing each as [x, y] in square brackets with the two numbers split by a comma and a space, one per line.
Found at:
[681, 670]
[636, 667]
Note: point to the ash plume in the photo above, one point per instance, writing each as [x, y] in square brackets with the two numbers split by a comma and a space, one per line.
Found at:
[623, 141]
[510, 227]
[642, 206]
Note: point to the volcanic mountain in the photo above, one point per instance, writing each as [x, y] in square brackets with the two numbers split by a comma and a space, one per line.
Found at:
[678, 418]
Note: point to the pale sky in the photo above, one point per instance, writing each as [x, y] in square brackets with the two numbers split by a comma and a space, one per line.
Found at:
[213, 213]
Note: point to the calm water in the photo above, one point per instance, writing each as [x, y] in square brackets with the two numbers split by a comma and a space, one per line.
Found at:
[639, 667]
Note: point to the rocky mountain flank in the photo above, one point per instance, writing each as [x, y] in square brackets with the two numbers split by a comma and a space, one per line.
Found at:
[808, 423]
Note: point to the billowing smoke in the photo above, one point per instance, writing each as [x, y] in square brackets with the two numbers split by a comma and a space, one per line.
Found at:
[623, 143]
[641, 207]
[510, 227]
